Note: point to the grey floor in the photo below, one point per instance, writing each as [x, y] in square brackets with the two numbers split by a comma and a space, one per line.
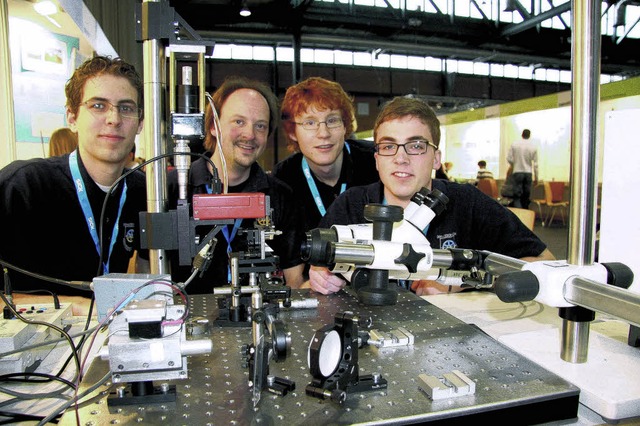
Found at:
[555, 237]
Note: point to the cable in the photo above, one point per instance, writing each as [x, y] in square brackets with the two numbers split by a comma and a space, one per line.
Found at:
[223, 161]
[86, 285]
[123, 176]
[82, 340]
[62, 407]
[46, 324]
[82, 285]
[56, 299]
[17, 417]
[12, 377]
[27, 396]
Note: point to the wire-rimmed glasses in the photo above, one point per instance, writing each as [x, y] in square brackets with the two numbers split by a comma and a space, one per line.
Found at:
[330, 122]
[100, 107]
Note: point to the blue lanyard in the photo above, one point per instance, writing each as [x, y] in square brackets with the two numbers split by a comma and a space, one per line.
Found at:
[88, 213]
[227, 236]
[312, 184]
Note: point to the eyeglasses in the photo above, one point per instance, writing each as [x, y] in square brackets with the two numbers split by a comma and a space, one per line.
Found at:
[100, 108]
[331, 123]
[417, 147]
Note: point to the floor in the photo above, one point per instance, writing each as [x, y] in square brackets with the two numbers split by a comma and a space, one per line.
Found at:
[555, 237]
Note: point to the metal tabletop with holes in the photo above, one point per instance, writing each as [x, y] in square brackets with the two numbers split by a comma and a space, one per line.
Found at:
[509, 387]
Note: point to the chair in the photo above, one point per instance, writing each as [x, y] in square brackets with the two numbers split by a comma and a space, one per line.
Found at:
[554, 199]
[528, 217]
[489, 187]
[131, 269]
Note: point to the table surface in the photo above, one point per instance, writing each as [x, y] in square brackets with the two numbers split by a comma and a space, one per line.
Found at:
[217, 391]
[608, 388]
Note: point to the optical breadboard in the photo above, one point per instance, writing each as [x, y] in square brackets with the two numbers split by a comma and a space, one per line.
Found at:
[508, 387]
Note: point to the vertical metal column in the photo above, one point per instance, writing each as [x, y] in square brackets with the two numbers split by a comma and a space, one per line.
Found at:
[296, 67]
[8, 114]
[585, 96]
[153, 55]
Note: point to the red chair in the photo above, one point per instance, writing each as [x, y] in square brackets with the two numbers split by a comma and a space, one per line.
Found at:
[554, 197]
[489, 187]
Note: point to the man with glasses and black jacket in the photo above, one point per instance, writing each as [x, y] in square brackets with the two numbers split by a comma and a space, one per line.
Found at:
[407, 136]
[317, 117]
[51, 220]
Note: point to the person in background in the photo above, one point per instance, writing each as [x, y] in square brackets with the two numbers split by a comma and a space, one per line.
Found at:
[523, 164]
[407, 136]
[248, 113]
[62, 141]
[50, 209]
[317, 116]
[448, 166]
[132, 161]
[441, 173]
[483, 173]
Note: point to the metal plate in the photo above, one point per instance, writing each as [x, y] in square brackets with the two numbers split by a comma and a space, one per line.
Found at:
[509, 387]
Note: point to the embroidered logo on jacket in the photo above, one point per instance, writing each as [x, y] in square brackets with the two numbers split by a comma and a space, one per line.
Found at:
[129, 235]
[448, 241]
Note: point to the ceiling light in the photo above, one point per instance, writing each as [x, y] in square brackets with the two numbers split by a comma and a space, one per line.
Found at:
[244, 12]
[45, 8]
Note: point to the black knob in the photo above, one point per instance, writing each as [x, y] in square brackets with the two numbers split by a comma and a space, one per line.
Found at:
[519, 286]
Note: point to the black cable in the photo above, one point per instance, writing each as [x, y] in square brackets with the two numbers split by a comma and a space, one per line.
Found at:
[124, 175]
[54, 296]
[14, 377]
[86, 285]
[46, 324]
[82, 285]
[56, 302]
[17, 417]
[82, 341]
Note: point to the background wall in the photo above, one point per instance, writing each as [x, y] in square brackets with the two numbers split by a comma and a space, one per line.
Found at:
[43, 54]
[489, 132]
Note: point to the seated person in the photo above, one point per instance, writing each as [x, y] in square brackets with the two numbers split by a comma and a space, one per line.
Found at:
[247, 111]
[317, 116]
[62, 141]
[483, 173]
[50, 209]
[407, 135]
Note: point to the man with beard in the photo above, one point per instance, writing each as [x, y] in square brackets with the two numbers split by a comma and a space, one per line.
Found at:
[247, 114]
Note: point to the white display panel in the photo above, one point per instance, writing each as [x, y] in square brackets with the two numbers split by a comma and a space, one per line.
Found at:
[620, 205]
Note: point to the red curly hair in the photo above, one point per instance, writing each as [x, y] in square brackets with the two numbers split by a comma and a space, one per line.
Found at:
[319, 93]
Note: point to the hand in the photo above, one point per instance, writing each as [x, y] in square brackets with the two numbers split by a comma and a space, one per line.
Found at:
[323, 281]
[428, 287]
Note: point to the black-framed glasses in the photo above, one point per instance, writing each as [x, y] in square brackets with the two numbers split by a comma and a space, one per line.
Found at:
[100, 107]
[330, 122]
[416, 147]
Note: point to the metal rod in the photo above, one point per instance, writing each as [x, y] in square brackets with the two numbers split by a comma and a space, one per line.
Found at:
[611, 300]
[497, 264]
[585, 59]
[575, 341]
[153, 59]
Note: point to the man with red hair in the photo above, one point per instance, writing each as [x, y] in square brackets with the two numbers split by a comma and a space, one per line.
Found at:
[317, 116]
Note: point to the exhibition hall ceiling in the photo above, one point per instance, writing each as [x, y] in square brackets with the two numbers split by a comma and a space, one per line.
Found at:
[355, 26]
